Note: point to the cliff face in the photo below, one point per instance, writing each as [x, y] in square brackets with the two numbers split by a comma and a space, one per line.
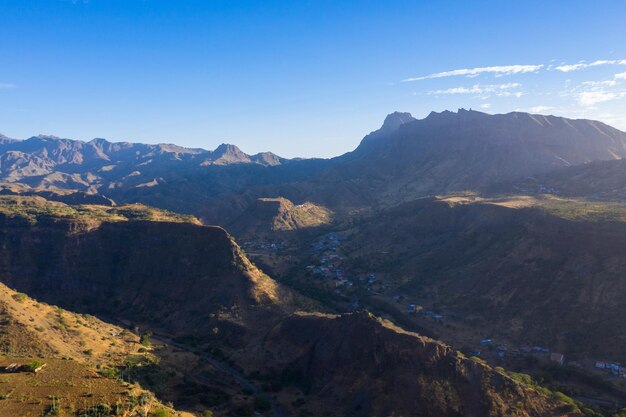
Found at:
[179, 276]
[356, 365]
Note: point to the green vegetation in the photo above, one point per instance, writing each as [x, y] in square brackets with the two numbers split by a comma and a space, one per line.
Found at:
[578, 209]
[34, 365]
[37, 208]
[145, 339]
[573, 405]
[19, 297]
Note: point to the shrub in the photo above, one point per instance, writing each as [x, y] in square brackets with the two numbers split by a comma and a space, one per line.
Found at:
[145, 339]
[34, 365]
[19, 297]
[160, 412]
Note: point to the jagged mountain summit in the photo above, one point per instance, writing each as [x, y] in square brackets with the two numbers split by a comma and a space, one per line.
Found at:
[49, 160]
[451, 151]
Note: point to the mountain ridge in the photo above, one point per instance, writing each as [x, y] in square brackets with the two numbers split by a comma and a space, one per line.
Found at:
[406, 158]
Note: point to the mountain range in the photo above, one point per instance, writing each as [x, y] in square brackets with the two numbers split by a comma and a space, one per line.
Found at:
[405, 159]
[506, 226]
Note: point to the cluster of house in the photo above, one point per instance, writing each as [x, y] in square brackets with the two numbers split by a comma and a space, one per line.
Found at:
[330, 261]
[413, 309]
[503, 351]
[264, 246]
[612, 367]
[330, 264]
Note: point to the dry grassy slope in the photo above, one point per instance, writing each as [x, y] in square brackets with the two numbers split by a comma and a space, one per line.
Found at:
[268, 216]
[35, 328]
[534, 276]
[34, 208]
[76, 390]
[358, 365]
[70, 345]
[55, 194]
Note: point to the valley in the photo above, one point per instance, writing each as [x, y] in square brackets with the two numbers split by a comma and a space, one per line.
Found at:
[393, 280]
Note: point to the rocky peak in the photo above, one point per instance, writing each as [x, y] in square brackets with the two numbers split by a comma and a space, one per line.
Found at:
[227, 153]
[396, 119]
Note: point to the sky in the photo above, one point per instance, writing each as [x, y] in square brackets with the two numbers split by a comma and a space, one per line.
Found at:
[299, 78]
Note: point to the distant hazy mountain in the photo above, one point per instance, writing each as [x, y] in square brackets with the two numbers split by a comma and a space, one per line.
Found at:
[406, 158]
[46, 161]
[465, 150]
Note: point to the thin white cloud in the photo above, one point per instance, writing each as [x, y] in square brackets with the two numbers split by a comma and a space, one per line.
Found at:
[620, 76]
[517, 94]
[591, 98]
[540, 109]
[590, 93]
[605, 83]
[485, 106]
[480, 89]
[583, 65]
[7, 86]
[474, 72]
[502, 70]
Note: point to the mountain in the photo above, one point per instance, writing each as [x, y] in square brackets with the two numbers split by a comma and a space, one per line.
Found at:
[596, 180]
[140, 264]
[270, 216]
[405, 159]
[192, 286]
[547, 273]
[49, 161]
[357, 365]
[444, 152]
[467, 150]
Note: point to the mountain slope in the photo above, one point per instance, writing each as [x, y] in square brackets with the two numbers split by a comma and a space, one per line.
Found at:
[194, 287]
[357, 365]
[539, 275]
[405, 159]
[69, 348]
[121, 262]
[273, 215]
[597, 180]
[33, 328]
[99, 165]
[467, 150]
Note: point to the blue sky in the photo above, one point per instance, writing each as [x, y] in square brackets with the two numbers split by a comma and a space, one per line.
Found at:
[300, 78]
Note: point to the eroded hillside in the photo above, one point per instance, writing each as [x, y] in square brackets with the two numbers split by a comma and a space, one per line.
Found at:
[197, 292]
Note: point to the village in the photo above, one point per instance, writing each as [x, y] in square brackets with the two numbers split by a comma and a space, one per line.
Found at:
[328, 268]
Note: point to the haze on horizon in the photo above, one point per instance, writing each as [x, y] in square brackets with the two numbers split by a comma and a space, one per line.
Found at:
[304, 78]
